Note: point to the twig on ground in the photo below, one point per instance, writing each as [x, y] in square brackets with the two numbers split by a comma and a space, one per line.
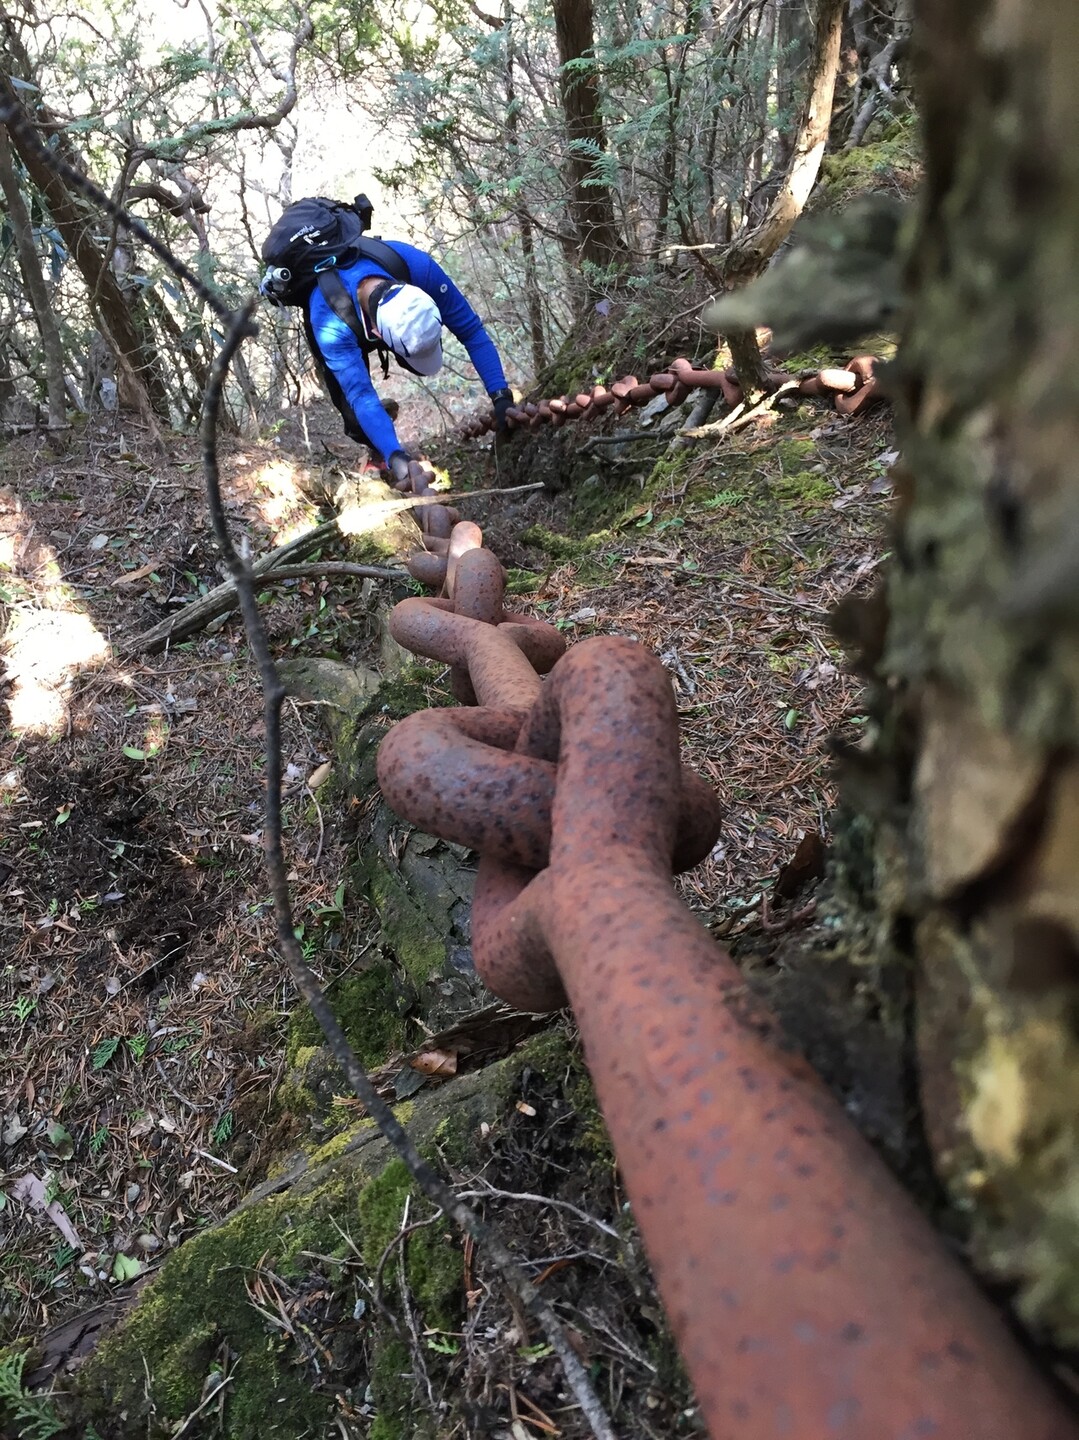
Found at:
[210, 1398]
[214, 1160]
[415, 1344]
[268, 570]
[191, 1104]
[621, 437]
[490, 1193]
[454, 497]
[319, 568]
[274, 694]
[402, 1235]
[740, 583]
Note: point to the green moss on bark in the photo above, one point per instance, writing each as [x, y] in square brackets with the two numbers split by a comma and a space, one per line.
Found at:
[365, 1005]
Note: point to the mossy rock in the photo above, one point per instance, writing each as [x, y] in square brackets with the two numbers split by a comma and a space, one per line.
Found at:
[295, 1235]
[334, 1216]
[359, 709]
[563, 549]
[421, 891]
[367, 516]
[434, 1267]
[149, 1375]
[883, 164]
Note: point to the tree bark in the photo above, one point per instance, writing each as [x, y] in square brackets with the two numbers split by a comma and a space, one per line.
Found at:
[591, 204]
[876, 73]
[34, 279]
[972, 644]
[751, 252]
[137, 364]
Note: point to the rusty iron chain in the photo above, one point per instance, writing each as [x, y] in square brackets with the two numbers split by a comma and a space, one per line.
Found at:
[807, 1294]
[854, 387]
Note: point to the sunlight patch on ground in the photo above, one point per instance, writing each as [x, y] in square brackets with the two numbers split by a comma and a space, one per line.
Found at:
[43, 649]
[281, 500]
[280, 493]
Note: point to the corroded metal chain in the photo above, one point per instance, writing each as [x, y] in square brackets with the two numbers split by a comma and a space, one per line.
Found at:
[808, 1296]
[853, 386]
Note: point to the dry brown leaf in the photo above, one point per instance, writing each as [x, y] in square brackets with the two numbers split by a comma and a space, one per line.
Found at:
[804, 866]
[319, 775]
[130, 576]
[435, 1062]
[31, 1191]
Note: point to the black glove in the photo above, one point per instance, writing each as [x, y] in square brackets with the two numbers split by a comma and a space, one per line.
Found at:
[502, 400]
[398, 463]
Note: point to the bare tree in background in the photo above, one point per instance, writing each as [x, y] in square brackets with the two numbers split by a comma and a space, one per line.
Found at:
[753, 249]
[34, 279]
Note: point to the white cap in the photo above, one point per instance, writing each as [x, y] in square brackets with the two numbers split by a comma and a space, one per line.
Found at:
[409, 322]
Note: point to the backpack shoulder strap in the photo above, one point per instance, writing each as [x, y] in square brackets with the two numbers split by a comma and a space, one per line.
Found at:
[336, 295]
[379, 253]
[343, 304]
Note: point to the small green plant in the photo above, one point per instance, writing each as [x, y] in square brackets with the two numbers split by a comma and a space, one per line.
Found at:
[98, 1140]
[535, 1352]
[308, 943]
[33, 1416]
[103, 1051]
[442, 1346]
[337, 909]
[222, 1130]
[724, 499]
[62, 1257]
[137, 1045]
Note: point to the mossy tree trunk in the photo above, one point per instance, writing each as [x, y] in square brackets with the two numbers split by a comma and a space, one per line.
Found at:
[973, 642]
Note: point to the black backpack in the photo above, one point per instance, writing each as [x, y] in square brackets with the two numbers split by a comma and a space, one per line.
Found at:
[315, 236]
[309, 243]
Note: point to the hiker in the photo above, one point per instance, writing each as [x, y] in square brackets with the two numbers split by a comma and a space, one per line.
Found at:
[360, 296]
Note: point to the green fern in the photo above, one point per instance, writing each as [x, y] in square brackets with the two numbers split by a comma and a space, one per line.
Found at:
[725, 499]
[33, 1416]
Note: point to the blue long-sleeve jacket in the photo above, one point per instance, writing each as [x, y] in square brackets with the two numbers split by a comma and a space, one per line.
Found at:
[341, 350]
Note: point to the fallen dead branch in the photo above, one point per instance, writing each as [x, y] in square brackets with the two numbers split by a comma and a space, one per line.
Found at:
[222, 598]
[272, 567]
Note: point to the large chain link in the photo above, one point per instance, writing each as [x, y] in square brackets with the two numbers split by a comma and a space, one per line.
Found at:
[807, 1295]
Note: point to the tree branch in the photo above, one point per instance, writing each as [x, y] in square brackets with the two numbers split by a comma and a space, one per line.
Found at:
[274, 693]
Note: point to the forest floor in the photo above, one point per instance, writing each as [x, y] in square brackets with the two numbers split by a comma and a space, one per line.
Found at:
[143, 1005]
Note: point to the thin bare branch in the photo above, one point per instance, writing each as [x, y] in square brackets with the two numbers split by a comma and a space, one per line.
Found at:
[274, 692]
